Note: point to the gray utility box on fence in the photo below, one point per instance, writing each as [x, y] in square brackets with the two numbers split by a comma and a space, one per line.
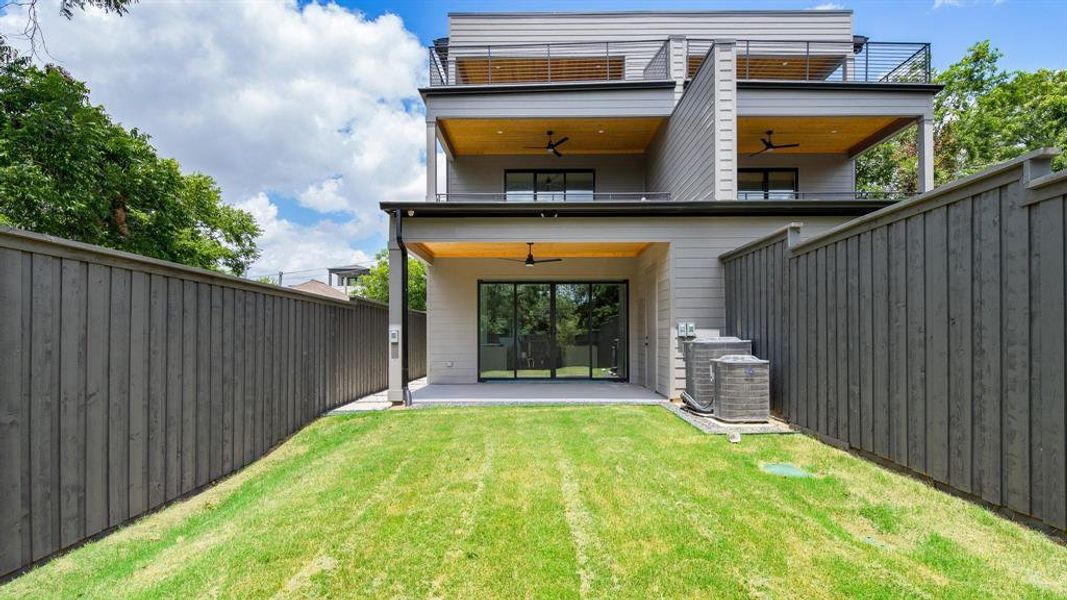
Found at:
[742, 388]
[699, 391]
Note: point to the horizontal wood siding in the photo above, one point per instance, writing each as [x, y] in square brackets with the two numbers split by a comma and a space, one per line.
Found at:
[949, 349]
[541, 28]
[126, 383]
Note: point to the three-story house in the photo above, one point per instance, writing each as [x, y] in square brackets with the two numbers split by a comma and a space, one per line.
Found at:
[596, 165]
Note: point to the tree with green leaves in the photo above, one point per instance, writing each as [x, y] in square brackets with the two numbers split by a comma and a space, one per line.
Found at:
[67, 170]
[984, 115]
[375, 285]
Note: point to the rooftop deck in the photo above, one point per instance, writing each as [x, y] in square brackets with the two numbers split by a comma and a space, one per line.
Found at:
[858, 60]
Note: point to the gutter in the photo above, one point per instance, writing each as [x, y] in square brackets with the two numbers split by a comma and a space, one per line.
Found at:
[714, 208]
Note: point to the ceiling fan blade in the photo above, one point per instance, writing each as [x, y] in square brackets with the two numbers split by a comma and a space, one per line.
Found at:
[560, 141]
[556, 152]
[787, 145]
[534, 147]
[547, 260]
[518, 260]
[759, 152]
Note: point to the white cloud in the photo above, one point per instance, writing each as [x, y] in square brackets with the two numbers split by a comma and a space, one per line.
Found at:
[940, 3]
[325, 196]
[313, 102]
[290, 247]
[827, 6]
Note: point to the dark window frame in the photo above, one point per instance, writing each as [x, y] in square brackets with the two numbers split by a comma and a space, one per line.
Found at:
[625, 283]
[766, 171]
[536, 172]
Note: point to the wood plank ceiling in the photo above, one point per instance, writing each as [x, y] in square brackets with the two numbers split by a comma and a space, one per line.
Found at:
[816, 135]
[517, 250]
[527, 136]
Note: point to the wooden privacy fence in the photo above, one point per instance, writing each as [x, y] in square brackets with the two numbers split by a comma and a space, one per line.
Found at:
[930, 334]
[127, 382]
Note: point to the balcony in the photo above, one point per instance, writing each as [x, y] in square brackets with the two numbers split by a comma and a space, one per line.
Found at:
[858, 61]
[549, 63]
[492, 197]
[855, 61]
[592, 197]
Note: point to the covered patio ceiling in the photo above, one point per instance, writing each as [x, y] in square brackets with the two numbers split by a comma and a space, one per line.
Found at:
[518, 250]
[527, 136]
[818, 135]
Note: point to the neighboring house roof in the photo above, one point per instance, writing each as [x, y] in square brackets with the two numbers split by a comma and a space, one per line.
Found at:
[315, 286]
[349, 270]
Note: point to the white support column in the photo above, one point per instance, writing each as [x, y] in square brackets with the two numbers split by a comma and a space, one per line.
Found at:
[725, 119]
[679, 64]
[431, 161]
[396, 317]
[925, 143]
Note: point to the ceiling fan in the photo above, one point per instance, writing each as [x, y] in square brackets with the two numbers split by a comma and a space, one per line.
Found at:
[551, 146]
[769, 145]
[530, 261]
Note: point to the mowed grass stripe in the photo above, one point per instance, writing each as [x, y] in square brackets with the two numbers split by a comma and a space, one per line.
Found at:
[561, 502]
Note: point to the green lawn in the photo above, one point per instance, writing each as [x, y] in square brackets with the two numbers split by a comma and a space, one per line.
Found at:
[621, 501]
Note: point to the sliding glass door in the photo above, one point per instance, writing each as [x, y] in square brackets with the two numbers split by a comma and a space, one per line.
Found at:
[552, 330]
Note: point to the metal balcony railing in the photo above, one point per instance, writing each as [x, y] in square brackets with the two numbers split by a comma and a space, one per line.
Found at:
[882, 196]
[492, 197]
[549, 63]
[807, 60]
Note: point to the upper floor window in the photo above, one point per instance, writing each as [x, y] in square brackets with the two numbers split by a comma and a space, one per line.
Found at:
[549, 186]
[766, 184]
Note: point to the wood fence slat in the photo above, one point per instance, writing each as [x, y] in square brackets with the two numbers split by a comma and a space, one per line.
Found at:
[937, 364]
[203, 383]
[216, 405]
[916, 342]
[855, 423]
[192, 328]
[44, 407]
[137, 443]
[227, 364]
[960, 276]
[14, 420]
[1015, 358]
[987, 349]
[72, 386]
[1051, 356]
[898, 345]
[118, 476]
[174, 327]
[97, 357]
[880, 339]
[157, 390]
[866, 340]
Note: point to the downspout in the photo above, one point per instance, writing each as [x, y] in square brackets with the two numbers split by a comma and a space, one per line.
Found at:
[403, 306]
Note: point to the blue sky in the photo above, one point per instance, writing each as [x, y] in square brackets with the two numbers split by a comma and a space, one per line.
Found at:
[1031, 33]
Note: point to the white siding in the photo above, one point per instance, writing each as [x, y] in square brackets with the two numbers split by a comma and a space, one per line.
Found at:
[540, 28]
[835, 102]
[685, 261]
[681, 157]
[642, 102]
[816, 172]
[485, 174]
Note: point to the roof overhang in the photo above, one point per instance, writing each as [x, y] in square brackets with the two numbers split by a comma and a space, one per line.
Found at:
[724, 208]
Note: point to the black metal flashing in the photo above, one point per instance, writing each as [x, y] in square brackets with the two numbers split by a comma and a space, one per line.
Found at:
[725, 208]
[931, 88]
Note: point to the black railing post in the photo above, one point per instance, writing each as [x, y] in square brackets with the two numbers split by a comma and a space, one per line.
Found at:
[748, 58]
[807, 61]
[867, 61]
